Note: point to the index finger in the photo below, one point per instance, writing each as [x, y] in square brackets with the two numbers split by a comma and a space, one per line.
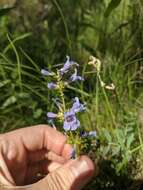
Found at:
[40, 137]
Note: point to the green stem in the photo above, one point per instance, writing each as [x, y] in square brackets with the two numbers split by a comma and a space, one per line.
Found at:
[64, 22]
[61, 88]
[107, 102]
[63, 100]
[18, 63]
[96, 103]
[136, 149]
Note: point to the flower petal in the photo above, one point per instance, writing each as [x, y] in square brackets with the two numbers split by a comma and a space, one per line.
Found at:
[46, 72]
[52, 85]
[68, 64]
[77, 106]
[92, 134]
[75, 77]
[75, 125]
[66, 126]
[51, 115]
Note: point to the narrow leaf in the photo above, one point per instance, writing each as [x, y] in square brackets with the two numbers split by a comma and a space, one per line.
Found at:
[112, 5]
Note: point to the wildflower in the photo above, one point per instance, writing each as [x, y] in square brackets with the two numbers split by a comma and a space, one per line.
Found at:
[70, 121]
[92, 134]
[51, 115]
[67, 66]
[83, 133]
[46, 73]
[87, 134]
[52, 85]
[75, 77]
[77, 106]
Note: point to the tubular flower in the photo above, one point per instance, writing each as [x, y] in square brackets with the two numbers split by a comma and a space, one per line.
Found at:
[46, 73]
[52, 85]
[70, 121]
[77, 106]
[51, 115]
[68, 64]
[75, 77]
[92, 134]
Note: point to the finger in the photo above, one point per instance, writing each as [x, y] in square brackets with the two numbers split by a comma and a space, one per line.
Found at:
[39, 137]
[5, 176]
[73, 175]
[39, 170]
[45, 155]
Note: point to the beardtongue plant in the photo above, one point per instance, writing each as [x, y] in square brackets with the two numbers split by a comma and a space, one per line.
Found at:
[67, 116]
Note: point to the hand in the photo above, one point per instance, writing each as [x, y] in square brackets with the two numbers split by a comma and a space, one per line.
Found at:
[42, 150]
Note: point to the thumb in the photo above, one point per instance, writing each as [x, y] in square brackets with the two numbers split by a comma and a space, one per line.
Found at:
[72, 176]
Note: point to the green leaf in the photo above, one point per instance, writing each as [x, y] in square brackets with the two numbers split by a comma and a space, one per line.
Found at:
[130, 140]
[9, 101]
[116, 150]
[4, 11]
[112, 5]
[3, 83]
[37, 113]
[107, 135]
[120, 137]
[15, 40]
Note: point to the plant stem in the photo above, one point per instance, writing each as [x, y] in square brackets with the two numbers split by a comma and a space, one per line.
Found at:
[107, 102]
[61, 88]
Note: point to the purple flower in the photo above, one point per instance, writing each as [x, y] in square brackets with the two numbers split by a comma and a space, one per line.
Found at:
[77, 106]
[92, 134]
[87, 134]
[83, 133]
[68, 64]
[46, 73]
[52, 85]
[70, 121]
[51, 115]
[75, 77]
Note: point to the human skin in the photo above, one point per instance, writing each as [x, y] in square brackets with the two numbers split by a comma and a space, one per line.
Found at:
[40, 149]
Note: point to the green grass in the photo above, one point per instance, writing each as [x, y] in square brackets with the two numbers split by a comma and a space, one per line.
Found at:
[79, 29]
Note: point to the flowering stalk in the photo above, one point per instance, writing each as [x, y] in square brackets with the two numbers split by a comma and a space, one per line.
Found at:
[68, 116]
[61, 89]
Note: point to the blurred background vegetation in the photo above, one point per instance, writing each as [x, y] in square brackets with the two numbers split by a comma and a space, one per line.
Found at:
[39, 34]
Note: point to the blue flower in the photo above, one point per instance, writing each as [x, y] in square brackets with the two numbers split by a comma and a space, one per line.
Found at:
[68, 64]
[88, 134]
[75, 77]
[51, 115]
[83, 133]
[77, 106]
[70, 121]
[52, 85]
[92, 134]
[46, 73]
